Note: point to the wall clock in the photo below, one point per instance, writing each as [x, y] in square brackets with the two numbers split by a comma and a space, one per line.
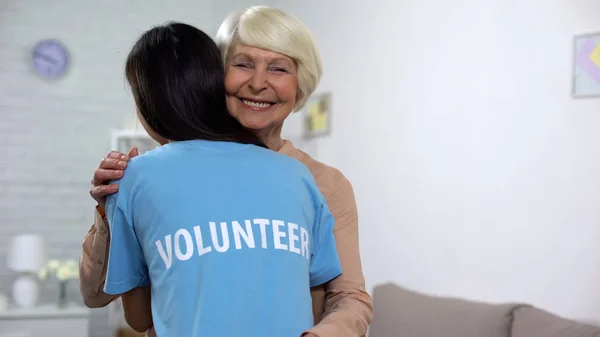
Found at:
[50, 59]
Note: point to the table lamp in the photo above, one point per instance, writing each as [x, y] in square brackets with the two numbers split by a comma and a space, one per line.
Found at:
[26, 255]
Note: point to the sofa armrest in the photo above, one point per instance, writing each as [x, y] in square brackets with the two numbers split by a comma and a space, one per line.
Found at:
[531, 321]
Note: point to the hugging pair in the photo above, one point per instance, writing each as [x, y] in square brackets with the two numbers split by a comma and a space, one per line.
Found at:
[222, 236]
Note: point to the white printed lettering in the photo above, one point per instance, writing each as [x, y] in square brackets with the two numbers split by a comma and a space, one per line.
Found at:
[189, 246]
[277, 235]
[168, 255]
[263, 230]
[293, 237]
[304, 242]
[221, 248]
[239, 232]
[201, 249]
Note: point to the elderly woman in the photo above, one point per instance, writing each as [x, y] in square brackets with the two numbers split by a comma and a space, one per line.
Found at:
[272, 66]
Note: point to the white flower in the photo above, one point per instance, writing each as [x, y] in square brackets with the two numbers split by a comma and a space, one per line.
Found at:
[72, 268]
[62, 270]
[53, 265]
[43, 273]
[62, 274]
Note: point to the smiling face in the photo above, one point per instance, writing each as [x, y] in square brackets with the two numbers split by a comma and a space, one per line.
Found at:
[261, 88]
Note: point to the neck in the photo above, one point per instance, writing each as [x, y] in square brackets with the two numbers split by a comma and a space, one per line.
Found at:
[272, 138]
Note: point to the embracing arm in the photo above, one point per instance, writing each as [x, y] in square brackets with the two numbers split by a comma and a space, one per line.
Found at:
[137, 308]
[92, 276]
[92, 266]
[94, 254]
[348, 307]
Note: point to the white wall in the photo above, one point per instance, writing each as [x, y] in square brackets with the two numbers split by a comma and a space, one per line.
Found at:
[476, 173]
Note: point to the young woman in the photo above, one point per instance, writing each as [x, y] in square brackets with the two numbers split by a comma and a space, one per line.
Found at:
[222, 235]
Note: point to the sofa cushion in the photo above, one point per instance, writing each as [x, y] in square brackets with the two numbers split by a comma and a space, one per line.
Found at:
[531, 321]
[406, 313]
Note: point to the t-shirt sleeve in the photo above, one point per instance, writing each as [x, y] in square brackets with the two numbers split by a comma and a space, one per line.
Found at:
[324, 262]
[127, 267]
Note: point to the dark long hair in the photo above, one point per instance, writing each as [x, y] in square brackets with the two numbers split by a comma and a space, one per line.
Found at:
[177, 78]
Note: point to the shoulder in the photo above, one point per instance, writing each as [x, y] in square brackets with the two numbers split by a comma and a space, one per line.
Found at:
[337, 191]
[283, 163]
[331, 182]
[133, 180]
[137, 168]
[148, 162]
[146, 159]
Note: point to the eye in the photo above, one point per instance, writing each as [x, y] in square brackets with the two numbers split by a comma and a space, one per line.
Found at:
[241, 65]
[279, 70]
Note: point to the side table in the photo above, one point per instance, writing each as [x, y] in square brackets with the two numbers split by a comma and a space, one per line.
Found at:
[45, 321]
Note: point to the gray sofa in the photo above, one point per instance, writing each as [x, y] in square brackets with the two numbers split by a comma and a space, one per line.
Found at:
[400, 312]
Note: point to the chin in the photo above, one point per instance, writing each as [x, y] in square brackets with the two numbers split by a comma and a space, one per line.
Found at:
[251, 122]
[257, 127]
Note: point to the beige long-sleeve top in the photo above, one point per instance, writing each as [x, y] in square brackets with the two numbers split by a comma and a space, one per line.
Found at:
[342, 307]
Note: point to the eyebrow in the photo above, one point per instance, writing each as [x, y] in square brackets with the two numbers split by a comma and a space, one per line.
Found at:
[275, 59]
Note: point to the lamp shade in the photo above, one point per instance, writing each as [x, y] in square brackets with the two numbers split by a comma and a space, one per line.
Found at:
[26, 253]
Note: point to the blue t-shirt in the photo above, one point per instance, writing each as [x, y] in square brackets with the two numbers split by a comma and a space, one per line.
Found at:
[230, 237]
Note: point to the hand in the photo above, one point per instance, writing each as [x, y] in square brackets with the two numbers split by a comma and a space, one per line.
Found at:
[110, 168]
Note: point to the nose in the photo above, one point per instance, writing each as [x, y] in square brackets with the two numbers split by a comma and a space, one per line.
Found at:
[258, 82]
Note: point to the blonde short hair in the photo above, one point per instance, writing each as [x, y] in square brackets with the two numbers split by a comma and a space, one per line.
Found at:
[272, 29]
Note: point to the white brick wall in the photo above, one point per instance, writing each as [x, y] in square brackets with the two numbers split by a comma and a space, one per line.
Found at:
[53, 134]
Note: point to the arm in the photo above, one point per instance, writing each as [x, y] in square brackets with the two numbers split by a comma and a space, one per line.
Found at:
[324, 261]
[94, 254]
[92, 266]
[348, 307]
[126, 268]
[137, 307]
[127, 272]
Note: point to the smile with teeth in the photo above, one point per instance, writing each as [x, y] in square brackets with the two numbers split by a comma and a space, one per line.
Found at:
[254, 104]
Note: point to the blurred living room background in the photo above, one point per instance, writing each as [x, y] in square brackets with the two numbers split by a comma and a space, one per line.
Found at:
[475, 163]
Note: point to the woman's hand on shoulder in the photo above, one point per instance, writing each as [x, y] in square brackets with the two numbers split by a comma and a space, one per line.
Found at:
[111, 167]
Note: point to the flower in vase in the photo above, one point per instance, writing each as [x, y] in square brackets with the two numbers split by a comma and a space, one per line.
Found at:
[49, 268]
[62, 270]
[69, 270]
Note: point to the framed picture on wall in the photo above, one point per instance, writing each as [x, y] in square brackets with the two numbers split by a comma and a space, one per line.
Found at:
[124, 140]
[316, 116]
[586, 65]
